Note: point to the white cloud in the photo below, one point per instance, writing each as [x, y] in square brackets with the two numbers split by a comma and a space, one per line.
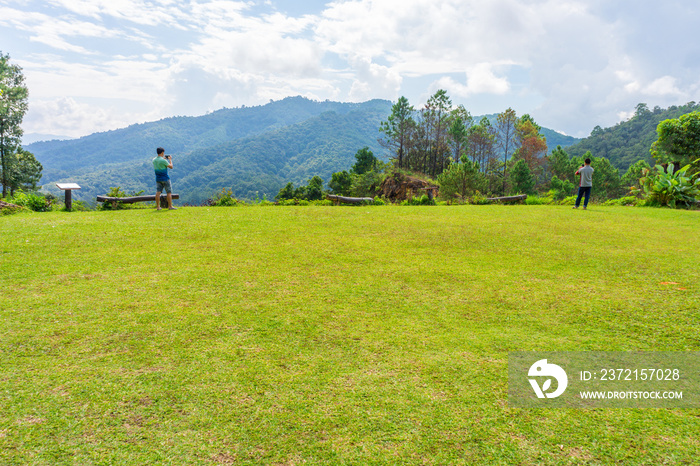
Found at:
[373, 80]
[67, 117]
[572, 64]
[480, 80]
[663, 86]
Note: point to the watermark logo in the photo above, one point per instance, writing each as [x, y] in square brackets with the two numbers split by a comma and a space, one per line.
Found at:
[543, 369]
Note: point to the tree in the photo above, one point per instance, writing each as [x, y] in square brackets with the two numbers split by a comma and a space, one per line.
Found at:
[436, 116]
[560, 165]
[532, 146]
[481, 142]
[461, 179]
[340, 183]
[521, 178]
[679, 141]
[634, 173]
[398, 128]
[25, 172]
[13, 106]
[366, 161]
[314, 190]
[460, 122]
[506, 136]
[641, 110]
[560, 188]
[286, 193]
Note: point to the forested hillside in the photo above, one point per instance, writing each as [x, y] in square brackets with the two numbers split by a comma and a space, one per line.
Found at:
[177, 134]
[629, 141]
[259, 164]
[253, 151]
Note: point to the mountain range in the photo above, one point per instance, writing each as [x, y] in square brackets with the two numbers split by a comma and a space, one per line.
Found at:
[253, 151]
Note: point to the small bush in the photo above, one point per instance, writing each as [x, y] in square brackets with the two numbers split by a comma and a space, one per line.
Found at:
[115, 191]
[536, 200]
[478, 199]
[31, 201]
[623, 201]
[422, 200]
[225, 199]
[378, 201]
[569, 200]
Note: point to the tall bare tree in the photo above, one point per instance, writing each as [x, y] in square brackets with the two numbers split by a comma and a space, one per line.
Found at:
[506, 135]
[436, 116]
[397, 129]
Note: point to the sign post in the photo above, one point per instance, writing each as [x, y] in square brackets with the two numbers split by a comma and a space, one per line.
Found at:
[68, 187]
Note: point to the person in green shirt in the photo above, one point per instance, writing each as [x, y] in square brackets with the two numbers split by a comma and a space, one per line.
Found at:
[161, 165]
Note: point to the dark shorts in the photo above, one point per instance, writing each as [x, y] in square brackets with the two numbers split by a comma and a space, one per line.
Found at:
[164, 186]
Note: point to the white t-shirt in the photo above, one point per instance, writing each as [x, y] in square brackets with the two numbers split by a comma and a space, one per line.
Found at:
[586, 173]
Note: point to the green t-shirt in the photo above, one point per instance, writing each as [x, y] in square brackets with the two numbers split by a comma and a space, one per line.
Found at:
[160, 165]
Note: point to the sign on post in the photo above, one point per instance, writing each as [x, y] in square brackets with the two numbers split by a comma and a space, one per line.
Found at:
[68, 187]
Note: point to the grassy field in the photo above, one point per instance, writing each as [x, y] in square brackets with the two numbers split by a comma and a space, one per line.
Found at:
[326, 335]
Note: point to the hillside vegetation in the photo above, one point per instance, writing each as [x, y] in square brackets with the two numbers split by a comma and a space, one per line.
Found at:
[629, 141]
[253, 151]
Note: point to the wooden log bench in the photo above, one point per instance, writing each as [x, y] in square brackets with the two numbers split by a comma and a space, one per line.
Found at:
[134, 199]
[519, 197]
[349, 200]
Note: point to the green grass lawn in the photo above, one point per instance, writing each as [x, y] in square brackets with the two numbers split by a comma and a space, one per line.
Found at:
[332, 335]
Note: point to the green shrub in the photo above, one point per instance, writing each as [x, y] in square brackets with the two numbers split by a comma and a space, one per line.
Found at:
[623, 201]
[378, 201]
[560, 188]
[113, 192]
[422, 200]
[536, 200]
[460, 180]
[478, 199]
[669, 187]
[225, 199]
[31, 201]
[569, 200]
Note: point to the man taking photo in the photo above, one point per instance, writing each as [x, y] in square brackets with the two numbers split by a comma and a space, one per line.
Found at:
[161, 164]
[586, 174]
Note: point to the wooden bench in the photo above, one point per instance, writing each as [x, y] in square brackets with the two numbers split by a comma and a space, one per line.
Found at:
[519, 197]
[349, 200]
[134, 199]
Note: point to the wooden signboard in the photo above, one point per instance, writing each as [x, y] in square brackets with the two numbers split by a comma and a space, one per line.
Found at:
[68, 187]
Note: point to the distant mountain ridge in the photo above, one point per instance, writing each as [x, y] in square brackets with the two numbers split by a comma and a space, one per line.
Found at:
[253, 151]
[629, 141]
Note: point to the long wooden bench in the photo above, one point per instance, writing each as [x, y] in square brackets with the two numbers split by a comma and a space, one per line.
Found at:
[134, 199]
[349, 200]
[519, 197]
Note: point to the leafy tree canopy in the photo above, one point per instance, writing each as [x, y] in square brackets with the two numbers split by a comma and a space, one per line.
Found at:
[13, 106]
[679, 141]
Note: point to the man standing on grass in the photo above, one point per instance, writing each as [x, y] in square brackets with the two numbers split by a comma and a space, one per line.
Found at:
[161, 165]
[586, 176]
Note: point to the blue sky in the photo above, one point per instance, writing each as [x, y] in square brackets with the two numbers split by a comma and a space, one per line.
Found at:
[96, 65]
